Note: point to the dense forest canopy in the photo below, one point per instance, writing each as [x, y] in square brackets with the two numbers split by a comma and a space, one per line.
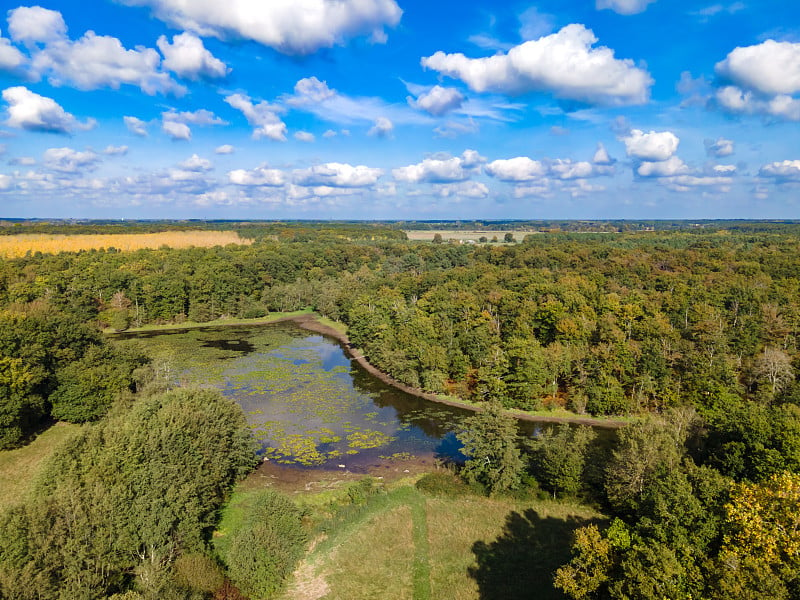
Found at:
[690, 328]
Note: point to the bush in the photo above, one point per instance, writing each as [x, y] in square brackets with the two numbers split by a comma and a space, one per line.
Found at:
[264, 550]
[445, 483]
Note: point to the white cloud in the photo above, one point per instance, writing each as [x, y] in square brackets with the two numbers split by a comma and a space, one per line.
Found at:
[296, 27]
[35, 24]
[724, 169]
[115, 150]
[260, 176]
[197, 164]
[67, 160]
[329, 133]
[225, 149]
[443, 169]
[652, 146]
[382, 128]
[601, 157]
[96, 61]
[10, 57]
[197, 117]
[438, 100]
[516, 169]
[735, 100]
[304, 136]
[6, 182]
[624, 7]
[316, 97]
[136, 126]
[564, 63]
[771, 68]
[176, 130]
[765, 78]
[568, 169]
[25, 161]
[782, 172]
[337, 175]
[719, 148]
[188, 58]
[463, 189]
[27, 110]
[262, 116]
[664, 168]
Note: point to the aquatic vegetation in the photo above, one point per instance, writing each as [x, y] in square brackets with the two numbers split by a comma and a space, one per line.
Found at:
[295, 388]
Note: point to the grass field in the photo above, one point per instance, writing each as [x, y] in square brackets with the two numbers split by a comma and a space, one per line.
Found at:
[19, 467]
[463, 236]
[13, 246]
[409, 546]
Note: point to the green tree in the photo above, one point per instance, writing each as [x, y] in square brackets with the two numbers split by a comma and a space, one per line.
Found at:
[490, 444]
[559, 458]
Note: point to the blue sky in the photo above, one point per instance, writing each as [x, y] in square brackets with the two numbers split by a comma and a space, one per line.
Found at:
[400, 109]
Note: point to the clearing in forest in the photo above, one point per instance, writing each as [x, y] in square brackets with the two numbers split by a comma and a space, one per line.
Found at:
[14, 246]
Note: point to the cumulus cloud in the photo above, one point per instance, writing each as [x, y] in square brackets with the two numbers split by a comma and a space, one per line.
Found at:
[520, 168]
[260, 176]
[738, 101]
[297, 27]
[115, 150]
[440, 169]
[601, 156]
[34, 24]
[719, 148]
[624, 7]
[135, 126]
[382, 128]
[438, 100]
[771, 68]
[765, 79]
[197, 164]
[10, 58]
[664, 168]
[652, 146]
[262, 116]
[187, 57]
[91, 62]
[304, 136]
[337, 175]
[30, 111]
[225, 149]
[463, 189]
[564, 63]
[177, 131]
[782, 172]
[6, 182]
[176, 124]
[67, 160]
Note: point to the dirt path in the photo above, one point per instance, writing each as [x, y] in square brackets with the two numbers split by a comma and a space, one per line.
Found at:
[310, 322]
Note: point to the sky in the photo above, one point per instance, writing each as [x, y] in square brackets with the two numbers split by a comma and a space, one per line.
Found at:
[400, 109]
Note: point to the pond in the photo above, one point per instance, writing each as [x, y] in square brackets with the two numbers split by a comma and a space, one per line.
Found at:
[308, 403]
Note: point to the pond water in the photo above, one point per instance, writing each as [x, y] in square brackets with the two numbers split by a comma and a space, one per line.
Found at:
[308, 404]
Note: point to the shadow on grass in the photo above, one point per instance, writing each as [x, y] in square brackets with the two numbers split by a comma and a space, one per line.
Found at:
[521, 562]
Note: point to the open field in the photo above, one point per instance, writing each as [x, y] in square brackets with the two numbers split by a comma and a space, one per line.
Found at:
[463, 236]
[13, 246]
[410, 546]
[19, 467]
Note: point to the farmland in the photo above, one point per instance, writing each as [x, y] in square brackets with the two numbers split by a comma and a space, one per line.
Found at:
[15, 246]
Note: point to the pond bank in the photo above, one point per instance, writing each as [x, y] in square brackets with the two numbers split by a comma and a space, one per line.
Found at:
[310, 322]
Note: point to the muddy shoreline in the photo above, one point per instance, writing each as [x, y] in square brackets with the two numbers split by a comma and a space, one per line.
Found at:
[309, 322]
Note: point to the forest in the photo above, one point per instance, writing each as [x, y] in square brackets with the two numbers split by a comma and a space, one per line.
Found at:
[688, 331]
